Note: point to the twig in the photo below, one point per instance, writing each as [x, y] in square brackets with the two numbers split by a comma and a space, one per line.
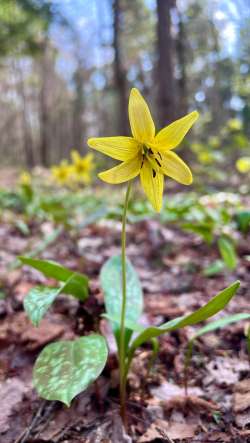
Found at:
[25, 435]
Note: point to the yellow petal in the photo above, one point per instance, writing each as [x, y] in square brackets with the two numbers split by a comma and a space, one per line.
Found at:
[123, 172]
[120, 148]
[174, 167]
[141, 122]
[171, 136]
[75, 156]
[152, 183]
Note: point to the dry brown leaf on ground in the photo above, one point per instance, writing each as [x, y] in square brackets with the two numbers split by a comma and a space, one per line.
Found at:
[19, 329]
[225, 370]
[158, 304]
[168, 431]
[166, 391]
[241, 403]
[12, 392]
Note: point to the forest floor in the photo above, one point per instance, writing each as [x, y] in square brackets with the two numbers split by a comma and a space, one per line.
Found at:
[169, 263]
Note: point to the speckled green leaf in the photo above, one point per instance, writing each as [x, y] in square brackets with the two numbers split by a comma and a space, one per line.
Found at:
[40, 298]
[38, 301]
[78, 286]
[66, 368]
[111, 282]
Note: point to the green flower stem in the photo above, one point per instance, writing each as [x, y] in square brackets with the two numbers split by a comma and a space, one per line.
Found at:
[122, 356]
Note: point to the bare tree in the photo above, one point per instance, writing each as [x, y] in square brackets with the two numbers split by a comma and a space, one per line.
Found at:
[181, 56]
[119, 72]
[44, 111]
[24, 117]
[166, 83]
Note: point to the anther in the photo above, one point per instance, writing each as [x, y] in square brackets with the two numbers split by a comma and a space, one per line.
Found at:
[154, 173]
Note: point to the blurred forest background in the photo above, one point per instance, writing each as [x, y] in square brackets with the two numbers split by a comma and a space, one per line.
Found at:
[67, 66]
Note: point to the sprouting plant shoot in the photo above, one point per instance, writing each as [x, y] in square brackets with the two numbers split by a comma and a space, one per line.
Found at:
[66, 368]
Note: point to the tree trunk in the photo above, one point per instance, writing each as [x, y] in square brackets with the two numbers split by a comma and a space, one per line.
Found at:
[166, 83]
[181, 55]
[27, 138]
[44, 111]
[78, 108]
[119, 72]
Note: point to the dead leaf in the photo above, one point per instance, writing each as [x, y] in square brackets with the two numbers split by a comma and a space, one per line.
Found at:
[225, 370]
[159, 305]
[19, 328]
[241, 403]
[166, 391]
[12, 392]
[168, 431]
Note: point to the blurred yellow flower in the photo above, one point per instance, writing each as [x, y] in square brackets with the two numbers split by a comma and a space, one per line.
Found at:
[81, 167]
[234, 124]
[243, 165]
[146, 154]
[62, 172]
[25, 179]
[205, 157]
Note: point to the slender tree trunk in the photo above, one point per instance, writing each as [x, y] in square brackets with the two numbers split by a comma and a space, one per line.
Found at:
[119, 72]
[181, 55]
[216, 99]
[78, 108]
[27, 138]
[44, 111]
[166, 83]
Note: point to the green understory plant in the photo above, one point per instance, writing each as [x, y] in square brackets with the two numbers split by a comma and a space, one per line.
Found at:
[66, 368]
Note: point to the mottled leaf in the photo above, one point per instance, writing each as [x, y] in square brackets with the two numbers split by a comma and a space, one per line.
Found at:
[78, 286]
[38, 301]
[66, 368]
[40, 298]
[111, 282]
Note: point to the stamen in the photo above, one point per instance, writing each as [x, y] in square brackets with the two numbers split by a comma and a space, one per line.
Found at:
[159, 155]
[158, 163]
[150, 151]
[154, 173]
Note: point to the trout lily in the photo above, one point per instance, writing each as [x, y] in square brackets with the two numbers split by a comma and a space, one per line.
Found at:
[82, 167]
[146, 154]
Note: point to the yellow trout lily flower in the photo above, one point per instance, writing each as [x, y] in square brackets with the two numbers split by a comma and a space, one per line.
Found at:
[25, 179]
[62, 172]
[82, 166]
[145, 153]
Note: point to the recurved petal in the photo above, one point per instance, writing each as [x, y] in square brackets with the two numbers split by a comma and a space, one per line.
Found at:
[120, 148]
[141, 122]
[152, 183]
[171, 136]
[123, 172]
[174, 167]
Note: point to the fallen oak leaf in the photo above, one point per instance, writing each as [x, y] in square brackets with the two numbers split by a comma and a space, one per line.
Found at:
[168, 431]
[191, 403]
[12, 392]
[241, 403]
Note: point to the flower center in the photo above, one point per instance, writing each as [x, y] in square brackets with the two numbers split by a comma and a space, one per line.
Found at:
[154, 159]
